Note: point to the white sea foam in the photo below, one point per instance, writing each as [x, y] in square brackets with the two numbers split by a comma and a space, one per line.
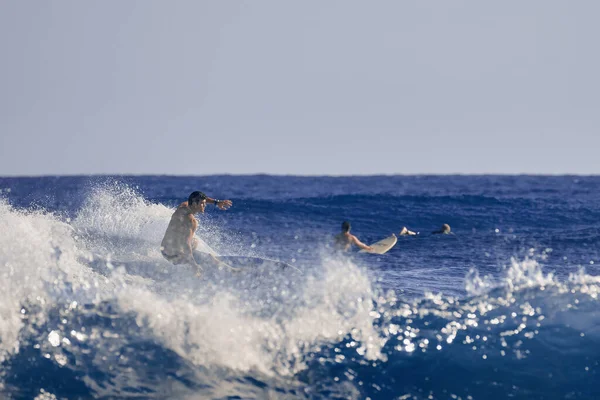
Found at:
[226, 331]
[519, 274]
[44, 258]
[38, 255]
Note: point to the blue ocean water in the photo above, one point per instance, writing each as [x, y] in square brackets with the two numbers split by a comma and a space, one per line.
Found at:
[506, 306]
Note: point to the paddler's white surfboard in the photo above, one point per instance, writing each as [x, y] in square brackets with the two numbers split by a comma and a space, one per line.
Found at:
[383, 246]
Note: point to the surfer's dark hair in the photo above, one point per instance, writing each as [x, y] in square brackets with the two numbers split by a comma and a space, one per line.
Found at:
[346, 226]
[196, 197]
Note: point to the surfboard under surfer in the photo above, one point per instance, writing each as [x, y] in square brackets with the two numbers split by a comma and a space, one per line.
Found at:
[178, 244]
[344, 240]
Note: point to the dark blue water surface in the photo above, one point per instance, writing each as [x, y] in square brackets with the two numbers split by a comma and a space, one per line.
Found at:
[505, 306]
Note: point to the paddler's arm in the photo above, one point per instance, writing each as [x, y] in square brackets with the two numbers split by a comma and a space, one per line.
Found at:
[360, 244]
[222, 204]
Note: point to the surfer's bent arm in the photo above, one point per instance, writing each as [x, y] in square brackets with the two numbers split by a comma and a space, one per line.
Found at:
[190, 242]
[222, 204]
[360, 244]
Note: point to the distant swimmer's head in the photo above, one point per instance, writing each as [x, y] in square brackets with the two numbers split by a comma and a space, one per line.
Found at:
[197, 200]
[445, 229]
[345, 226]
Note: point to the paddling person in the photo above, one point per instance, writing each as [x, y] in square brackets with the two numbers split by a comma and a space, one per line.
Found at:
[179, 243]
[444, 230]
[344, 240]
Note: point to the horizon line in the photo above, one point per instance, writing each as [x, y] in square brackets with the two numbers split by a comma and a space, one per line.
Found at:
[77, 175]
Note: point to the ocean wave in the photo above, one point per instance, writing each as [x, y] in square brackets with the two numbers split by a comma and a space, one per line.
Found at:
[91, 310]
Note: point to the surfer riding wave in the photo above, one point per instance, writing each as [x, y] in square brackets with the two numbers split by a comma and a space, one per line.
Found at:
[178, 245]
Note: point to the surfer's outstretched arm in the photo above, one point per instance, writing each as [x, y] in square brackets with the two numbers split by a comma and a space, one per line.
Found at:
[222, 204]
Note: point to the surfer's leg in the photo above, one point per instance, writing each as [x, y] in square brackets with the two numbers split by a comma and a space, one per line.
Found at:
[173, 259]
[203, 259]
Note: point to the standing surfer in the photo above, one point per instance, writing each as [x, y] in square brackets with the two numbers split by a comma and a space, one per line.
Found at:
[179, 243]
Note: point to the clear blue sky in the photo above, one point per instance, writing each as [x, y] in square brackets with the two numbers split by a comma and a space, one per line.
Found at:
[304, 87]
